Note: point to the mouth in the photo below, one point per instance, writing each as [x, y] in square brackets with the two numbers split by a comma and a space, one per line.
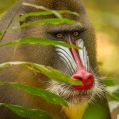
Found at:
[75, 96]
[70, 94]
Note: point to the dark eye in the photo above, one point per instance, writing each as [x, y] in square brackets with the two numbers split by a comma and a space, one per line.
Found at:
[76, 34]
[59, 35]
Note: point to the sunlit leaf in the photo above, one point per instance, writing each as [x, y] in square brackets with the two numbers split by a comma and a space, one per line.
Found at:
[113, 89]
[57, 13]
[27, 112]
[34, 14]
[58, 75]
[46, 13]
[108, 82]
[113, 92]
[116, 95]
[51, 97]
[54, 21]
[113, 96]
[50, 72]
[36, 6]
[39, 41]
[3, 66]
[43, 8]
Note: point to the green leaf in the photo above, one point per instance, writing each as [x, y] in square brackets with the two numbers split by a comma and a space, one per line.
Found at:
[116, 95]
[113, 92]
[31, 14]
[50, 72]
[39, 41]
[1, 83]
[55, 75]
[9, 64]
[108, 82]
[51, 97]
[54, 21]
[43, 8]
[3, 66]
[27, 112]
[35, 6]
[56, 13]
[113, 96]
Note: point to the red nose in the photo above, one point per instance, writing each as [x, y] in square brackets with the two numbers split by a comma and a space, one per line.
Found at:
[86, 78]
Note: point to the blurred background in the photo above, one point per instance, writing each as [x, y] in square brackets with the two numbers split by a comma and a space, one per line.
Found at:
[104, 15]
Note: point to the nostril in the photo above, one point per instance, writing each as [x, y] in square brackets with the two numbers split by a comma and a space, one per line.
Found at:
[80, 79]
[89, 81]
[77, 77]
[88, 78]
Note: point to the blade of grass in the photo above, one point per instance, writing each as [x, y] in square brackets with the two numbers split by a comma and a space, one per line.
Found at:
[50, 72]
[39, 41]
[27, 112]
[31, 14]
[54, 21]
[55, 12]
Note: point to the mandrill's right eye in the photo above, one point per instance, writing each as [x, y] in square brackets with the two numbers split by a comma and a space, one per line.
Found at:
[59, 35]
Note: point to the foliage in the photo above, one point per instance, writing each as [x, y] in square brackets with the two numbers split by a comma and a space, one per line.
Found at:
[51, 97]
[27, 112]
[45, 70]
[112, 89]
[39, 41]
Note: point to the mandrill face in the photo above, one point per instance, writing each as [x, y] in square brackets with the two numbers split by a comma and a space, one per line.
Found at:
[79, 64]
[75, 63]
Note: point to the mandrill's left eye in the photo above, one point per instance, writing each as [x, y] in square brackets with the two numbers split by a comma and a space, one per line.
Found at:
[76, 34]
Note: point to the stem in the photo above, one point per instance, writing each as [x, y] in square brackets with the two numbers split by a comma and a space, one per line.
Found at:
[9, 23]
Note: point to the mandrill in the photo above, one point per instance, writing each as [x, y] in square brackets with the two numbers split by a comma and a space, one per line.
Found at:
[81, 65]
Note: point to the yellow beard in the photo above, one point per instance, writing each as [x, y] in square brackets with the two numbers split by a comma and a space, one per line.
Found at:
[75, 111]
